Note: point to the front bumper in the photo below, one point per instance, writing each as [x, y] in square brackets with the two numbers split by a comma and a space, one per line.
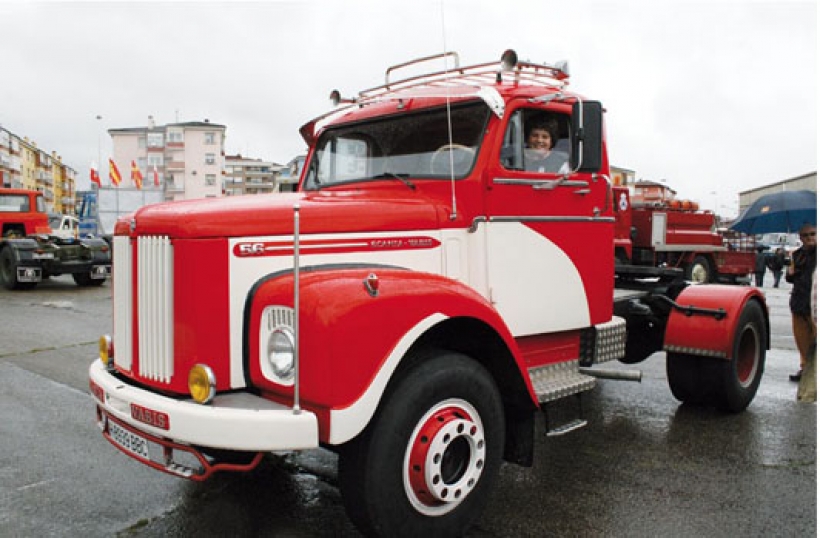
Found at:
[237, 421]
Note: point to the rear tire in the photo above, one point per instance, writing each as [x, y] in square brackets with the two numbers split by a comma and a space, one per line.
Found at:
[729, 385]
[739, 379]
[428, 460]
[686, 380]
[85, 280]
[700, 271]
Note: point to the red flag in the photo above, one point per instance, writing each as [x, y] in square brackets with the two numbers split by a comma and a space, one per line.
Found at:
[156, 177]
[114, 173]
[136, 175]
[95, 175]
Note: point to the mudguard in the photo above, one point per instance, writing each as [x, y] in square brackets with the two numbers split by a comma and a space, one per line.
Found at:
[706, 319]
[363, 335]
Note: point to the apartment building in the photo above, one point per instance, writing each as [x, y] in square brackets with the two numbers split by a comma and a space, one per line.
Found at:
[250, 176]
[188, 157]
[25, 166]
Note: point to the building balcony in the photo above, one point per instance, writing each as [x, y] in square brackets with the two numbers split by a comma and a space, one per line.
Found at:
[173, 187]
[173, 166]
[174, 145]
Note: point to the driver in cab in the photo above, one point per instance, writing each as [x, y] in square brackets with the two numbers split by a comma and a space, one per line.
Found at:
[540, 154]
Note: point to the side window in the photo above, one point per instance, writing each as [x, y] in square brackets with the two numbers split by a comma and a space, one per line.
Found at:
[536, 141]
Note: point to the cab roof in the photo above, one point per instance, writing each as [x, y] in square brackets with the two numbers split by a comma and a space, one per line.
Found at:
[492, 82]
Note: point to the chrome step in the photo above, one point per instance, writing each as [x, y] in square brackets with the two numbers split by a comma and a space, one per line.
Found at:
[556, 381]
[566, 428]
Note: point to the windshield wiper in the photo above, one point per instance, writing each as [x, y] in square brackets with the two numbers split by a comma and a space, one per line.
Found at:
[400, 177]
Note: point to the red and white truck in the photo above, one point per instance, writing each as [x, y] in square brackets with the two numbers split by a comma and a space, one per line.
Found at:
[653, 228]
[415, 306]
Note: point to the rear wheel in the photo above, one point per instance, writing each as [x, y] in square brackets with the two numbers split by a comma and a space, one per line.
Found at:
[700, 270]
[739, 378]
[426, 463]
[685, 374]
[85, 280]
[730, 385]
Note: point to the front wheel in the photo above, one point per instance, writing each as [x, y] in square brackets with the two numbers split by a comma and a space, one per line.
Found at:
[426, 463]
[8, 272]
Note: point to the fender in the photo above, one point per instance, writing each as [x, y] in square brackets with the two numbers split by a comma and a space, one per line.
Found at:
[705, 334]
[364, 337]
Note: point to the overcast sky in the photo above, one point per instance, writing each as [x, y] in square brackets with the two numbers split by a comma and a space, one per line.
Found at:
[714, 97]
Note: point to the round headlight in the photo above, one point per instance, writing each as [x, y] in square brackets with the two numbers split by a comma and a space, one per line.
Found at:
[281, 353]
[202, 384]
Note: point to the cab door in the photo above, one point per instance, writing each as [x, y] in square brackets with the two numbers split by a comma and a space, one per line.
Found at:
[549, 232]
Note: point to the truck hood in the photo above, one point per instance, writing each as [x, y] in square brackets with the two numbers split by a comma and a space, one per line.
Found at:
[273, 214]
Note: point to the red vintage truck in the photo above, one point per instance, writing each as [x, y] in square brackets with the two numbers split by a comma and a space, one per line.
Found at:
[655, 229]
[31, 251]
[415, 306]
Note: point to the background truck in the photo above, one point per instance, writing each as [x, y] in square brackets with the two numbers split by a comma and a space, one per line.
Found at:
[31, 252]
[99, 209]
[415, 306]
[655, 229]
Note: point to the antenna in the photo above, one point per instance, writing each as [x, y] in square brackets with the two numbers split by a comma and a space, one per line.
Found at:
[454, 211]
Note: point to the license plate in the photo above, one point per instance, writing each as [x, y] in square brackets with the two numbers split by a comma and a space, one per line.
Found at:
[43, 256]
[131, 442]
[100, 271]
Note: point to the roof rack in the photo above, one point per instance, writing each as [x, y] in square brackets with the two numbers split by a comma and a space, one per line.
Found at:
[486, 74]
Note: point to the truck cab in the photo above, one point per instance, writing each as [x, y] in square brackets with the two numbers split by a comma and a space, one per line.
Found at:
[30, 250]
[436, 283]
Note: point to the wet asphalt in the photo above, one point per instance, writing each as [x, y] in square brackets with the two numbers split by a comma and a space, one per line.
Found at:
[645, 465]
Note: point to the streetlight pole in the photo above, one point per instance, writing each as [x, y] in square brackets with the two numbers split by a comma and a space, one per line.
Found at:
[99, 148]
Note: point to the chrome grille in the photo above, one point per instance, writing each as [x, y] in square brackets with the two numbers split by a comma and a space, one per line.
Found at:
[122, 280]
[155, 307]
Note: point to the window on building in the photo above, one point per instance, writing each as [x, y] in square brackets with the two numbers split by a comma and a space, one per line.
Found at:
[210, 179]
[155, 140]
[141, 142]
[155, 159]
[210, 138]
[210, 158]
[174, 136]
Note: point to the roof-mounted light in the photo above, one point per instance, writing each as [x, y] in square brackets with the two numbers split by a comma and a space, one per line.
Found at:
[562, 68]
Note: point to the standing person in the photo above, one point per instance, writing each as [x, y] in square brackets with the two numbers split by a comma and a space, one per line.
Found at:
[799, 273]
[760, 266]
[775, 262]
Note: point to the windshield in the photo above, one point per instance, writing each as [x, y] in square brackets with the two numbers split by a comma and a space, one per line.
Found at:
[14, 203]
[415, 145]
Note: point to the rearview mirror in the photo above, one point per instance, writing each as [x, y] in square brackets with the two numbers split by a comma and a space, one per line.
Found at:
[587, 136]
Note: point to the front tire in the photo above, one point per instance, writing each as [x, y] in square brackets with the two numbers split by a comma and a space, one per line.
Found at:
[426, 463]
[8, 272]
